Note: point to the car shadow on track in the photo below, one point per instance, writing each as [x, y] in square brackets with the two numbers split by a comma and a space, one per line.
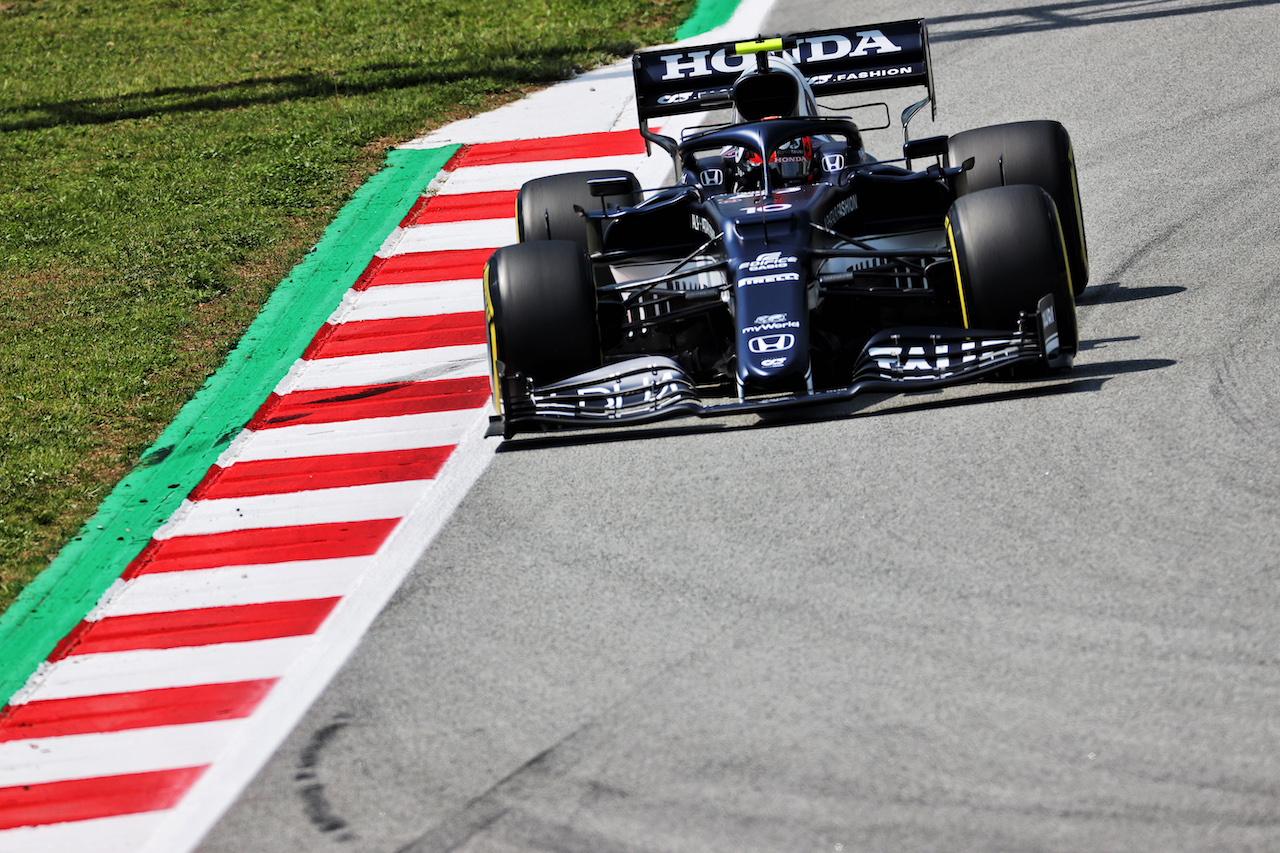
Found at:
[1115, 292]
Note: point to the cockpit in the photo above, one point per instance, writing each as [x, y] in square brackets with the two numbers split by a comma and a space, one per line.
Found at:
[770, 154]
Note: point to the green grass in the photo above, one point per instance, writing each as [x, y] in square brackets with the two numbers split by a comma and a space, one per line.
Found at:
[163, 165]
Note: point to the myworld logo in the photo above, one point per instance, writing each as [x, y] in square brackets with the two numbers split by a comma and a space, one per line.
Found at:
[771, 327]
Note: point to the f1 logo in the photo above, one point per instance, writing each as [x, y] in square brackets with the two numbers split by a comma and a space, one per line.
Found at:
[771, 343]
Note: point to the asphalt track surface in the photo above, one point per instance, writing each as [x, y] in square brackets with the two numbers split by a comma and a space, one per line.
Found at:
[1037, 616]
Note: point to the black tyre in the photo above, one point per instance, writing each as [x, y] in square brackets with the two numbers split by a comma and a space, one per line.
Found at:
[1009, 252]
[540, 310]
[545, 206]
[1029, 152]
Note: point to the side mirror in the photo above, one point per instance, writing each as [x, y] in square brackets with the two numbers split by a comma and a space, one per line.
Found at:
[602, 187]
[929, 146]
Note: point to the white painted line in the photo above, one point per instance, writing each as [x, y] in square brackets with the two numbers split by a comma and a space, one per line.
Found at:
[88, 756]
[587, 104]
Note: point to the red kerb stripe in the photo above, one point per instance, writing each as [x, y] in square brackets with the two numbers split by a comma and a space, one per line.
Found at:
[606, 144]
[334, 405]
[85, 799]
[201, 627]
[397, 334]
[281, 476]
[142, 709]
[262, 546]
[500, 204]
[424, 267]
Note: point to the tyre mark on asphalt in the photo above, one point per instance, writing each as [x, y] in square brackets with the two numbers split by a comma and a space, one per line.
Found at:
[1197, 213]
[552, 768]
[311, 790]
[1244, 392]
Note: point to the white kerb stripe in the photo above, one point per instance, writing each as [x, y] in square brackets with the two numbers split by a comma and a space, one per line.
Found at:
[369, 435]
[156, 669]
[511, 176]
[321, 506]
[411, 300]
[87, 756]
[383, 368]
[120, 834]
[232, 586]
[479, 234]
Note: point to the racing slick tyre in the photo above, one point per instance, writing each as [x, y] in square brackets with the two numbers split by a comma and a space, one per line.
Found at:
[1028, 152]
[1008, 250]
[540, 313]
[545, 206]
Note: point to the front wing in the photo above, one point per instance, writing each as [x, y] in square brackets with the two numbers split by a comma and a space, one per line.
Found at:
[654, 387]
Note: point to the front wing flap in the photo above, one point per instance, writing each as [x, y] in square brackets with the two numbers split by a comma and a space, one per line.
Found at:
[653, 388]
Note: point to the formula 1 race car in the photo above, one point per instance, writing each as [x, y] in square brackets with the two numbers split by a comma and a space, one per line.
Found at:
[784, 265]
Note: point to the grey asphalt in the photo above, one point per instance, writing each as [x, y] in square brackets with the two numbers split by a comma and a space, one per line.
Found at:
[1041, 616]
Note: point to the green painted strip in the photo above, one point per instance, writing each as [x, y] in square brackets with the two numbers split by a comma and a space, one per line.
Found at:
[707, 15]
[63, 593]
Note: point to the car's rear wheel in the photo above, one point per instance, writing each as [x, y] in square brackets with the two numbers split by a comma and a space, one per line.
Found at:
[540, 311]
[1008, 249]
[545, 206]
[1029, 152]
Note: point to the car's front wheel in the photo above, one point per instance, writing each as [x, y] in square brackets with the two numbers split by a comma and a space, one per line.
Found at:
[1009, 252]
[540, 312]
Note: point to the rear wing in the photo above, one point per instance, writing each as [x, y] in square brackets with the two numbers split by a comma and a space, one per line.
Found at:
[835, 62]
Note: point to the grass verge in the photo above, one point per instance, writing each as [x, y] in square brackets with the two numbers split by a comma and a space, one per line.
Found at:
[164, 165]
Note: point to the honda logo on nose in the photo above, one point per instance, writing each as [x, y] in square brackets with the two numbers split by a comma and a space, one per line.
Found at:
[771, 343]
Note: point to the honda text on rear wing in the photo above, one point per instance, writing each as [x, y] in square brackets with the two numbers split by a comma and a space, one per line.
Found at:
[691, 79]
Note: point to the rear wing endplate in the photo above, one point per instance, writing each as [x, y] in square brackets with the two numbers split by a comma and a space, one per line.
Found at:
[836, 61]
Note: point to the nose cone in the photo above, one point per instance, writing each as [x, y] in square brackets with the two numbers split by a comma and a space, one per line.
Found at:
[772, 335]
[774, 362]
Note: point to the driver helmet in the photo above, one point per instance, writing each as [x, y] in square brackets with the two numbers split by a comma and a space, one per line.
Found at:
[790, 164]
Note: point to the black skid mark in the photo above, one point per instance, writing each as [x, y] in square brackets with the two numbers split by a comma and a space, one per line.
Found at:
[315, 805]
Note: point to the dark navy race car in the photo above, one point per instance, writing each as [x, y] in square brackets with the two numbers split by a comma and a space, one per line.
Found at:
[784, 266]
